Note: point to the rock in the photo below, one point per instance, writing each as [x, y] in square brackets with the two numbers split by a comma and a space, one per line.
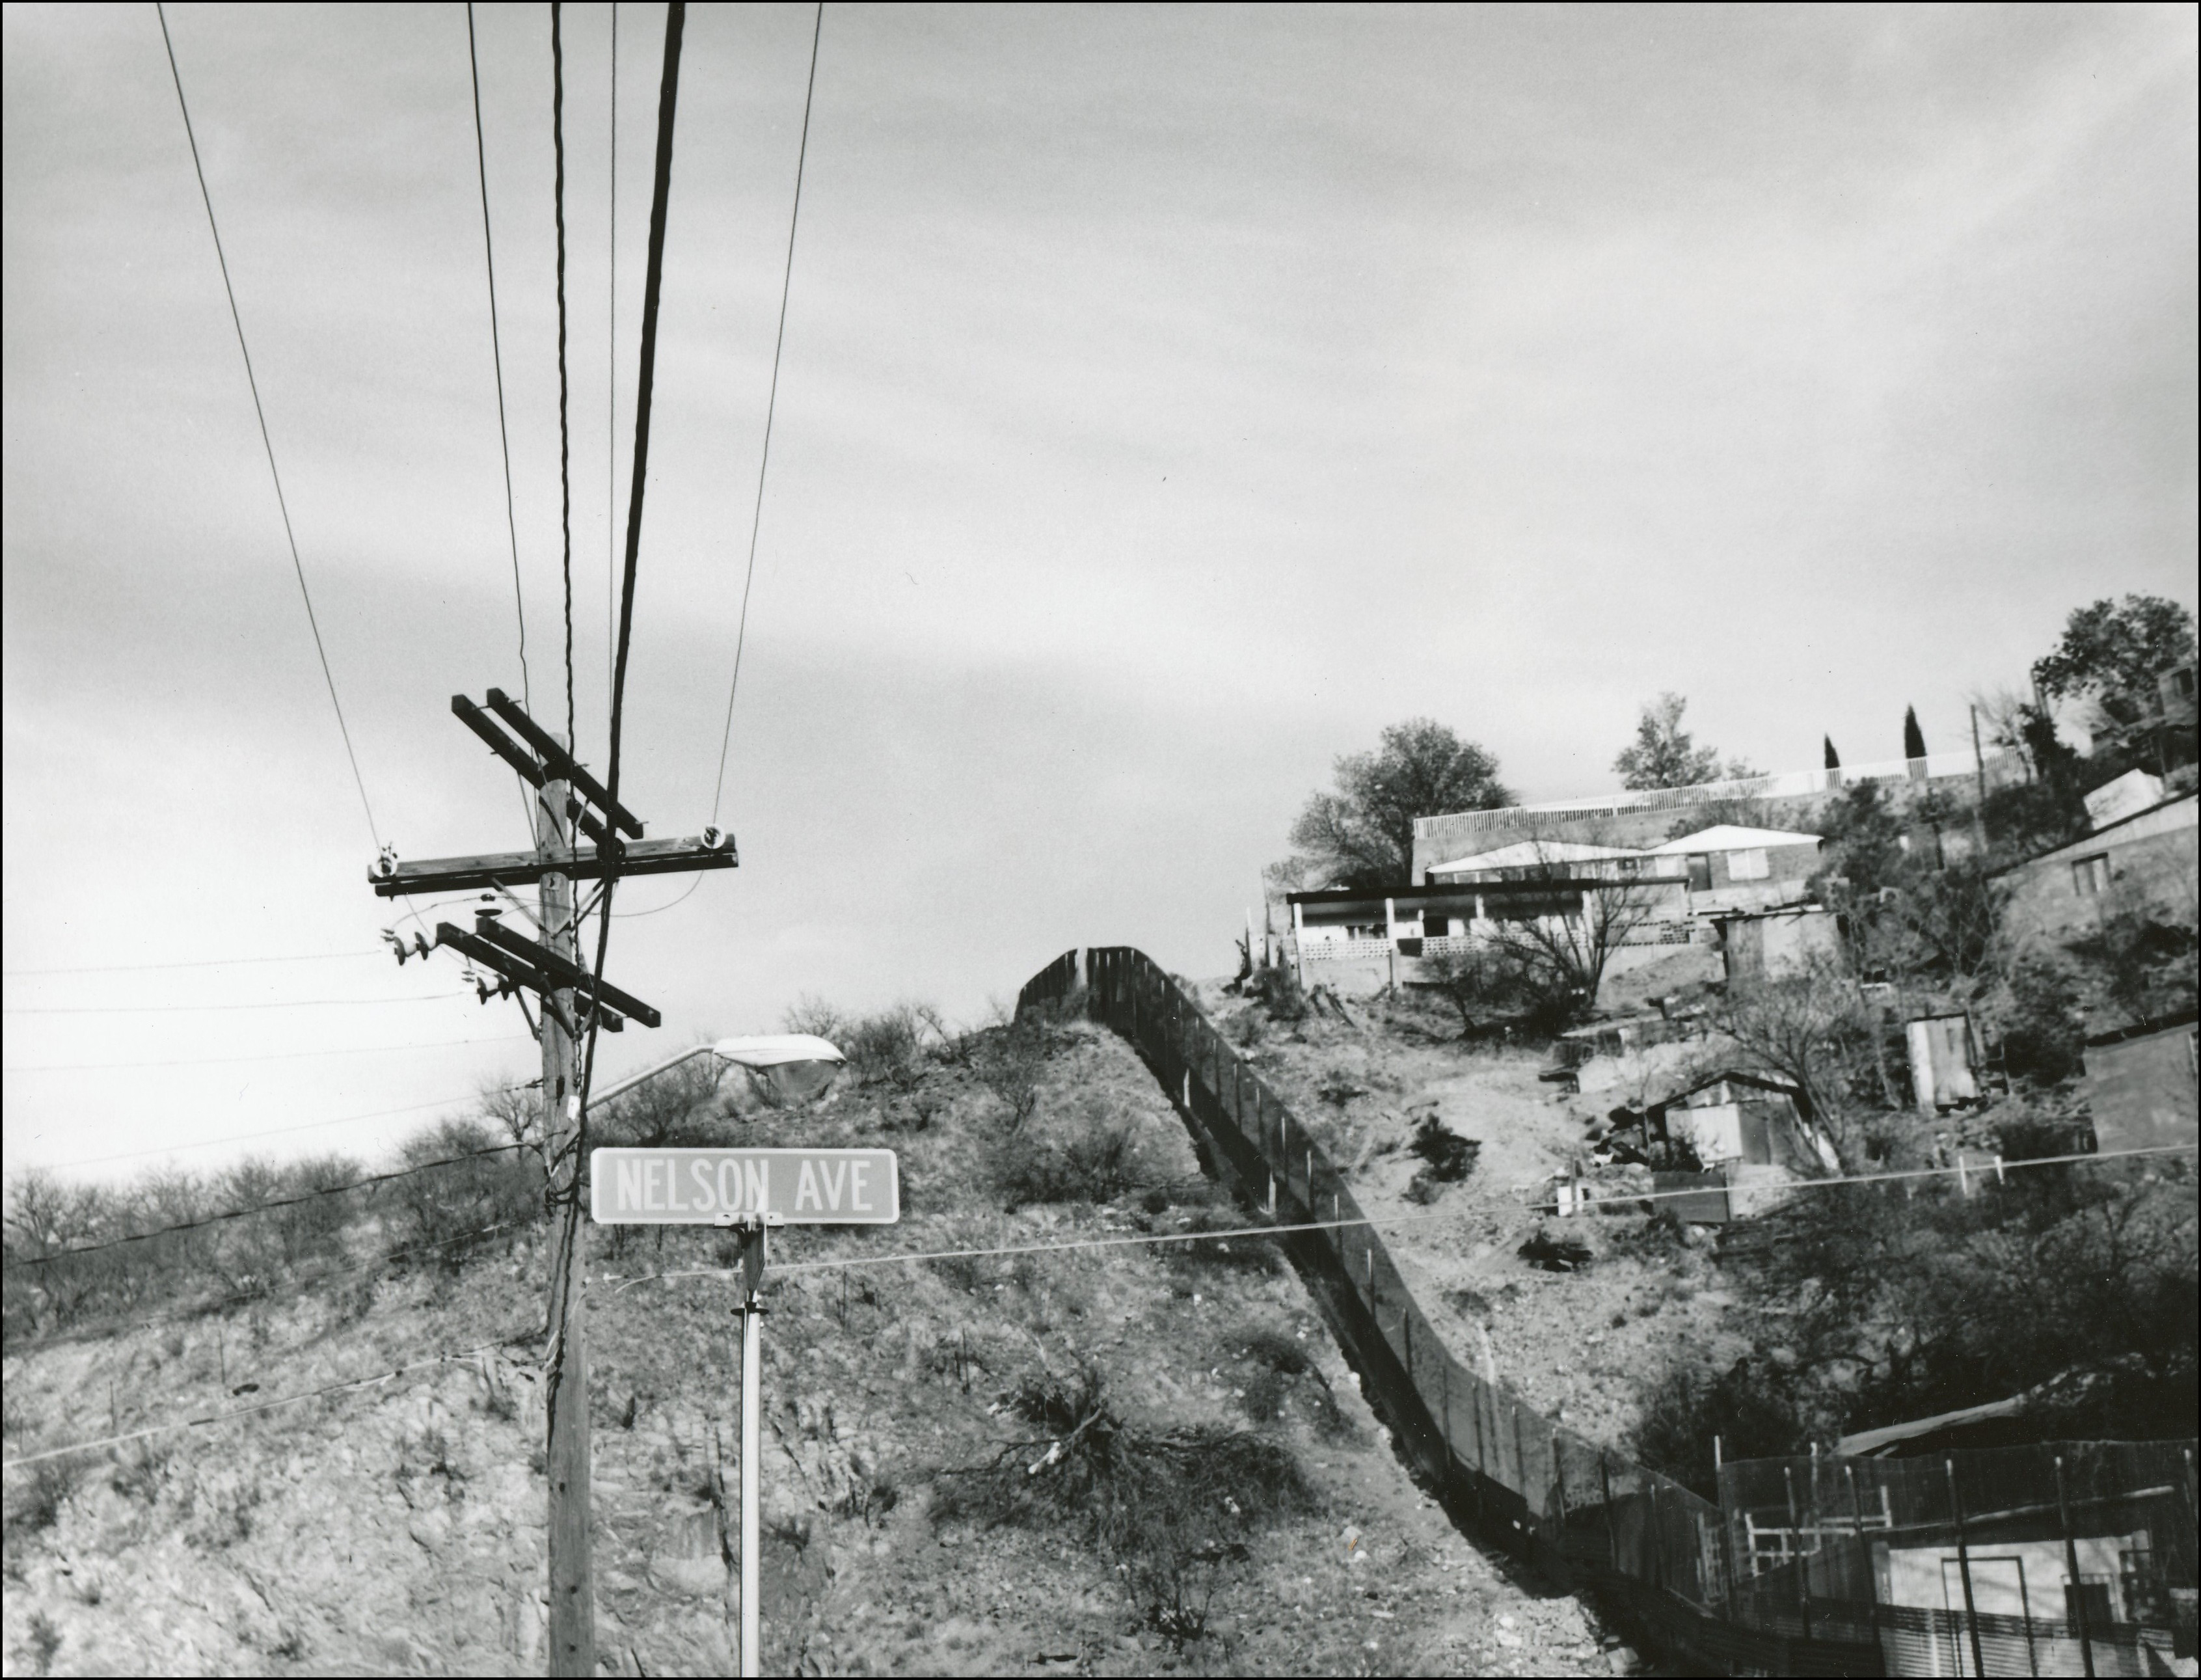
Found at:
[1621, 1659]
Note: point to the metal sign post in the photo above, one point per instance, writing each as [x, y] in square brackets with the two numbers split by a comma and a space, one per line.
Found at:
[750, 1311]
[750, 1191]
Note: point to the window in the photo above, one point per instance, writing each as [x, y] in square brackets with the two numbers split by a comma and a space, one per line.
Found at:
[2090, 876]
[1749, 866]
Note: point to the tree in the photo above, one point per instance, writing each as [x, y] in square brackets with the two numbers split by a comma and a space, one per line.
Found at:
[1833, 758]
[1564, 956]
[1363, 834]
[1484, 983]
[1914, 739]
[1666, 755]
[1814, 1030]
[2114, 652]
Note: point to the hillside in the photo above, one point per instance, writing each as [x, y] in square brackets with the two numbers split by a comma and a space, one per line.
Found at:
[1581, 1347]
[396, 1526]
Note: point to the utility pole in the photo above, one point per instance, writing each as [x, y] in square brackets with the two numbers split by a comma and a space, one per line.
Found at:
[578, 830]
[571, 1607]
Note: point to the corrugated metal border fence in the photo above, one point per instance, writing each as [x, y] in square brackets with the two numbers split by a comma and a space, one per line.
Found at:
[1657, 1554]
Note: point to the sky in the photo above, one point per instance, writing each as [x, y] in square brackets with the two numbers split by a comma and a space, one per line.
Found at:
[1169, 399]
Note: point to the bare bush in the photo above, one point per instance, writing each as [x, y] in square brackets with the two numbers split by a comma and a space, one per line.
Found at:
[1010, 1061]
[886, 1049]
[1815, 1031]
[1173, 1509]
[1095, 1162]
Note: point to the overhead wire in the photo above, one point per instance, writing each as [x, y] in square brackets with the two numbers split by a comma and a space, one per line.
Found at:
[610, 384]
[204, 962]
[267, 441]
[565, 441]
[232, 1214]
[496, 354]
[125, 1437]
[1256, 1230]
[568, 1199]
[273, 1055]
[660, 909]
[271, 1132]
[771, 404]
[212, 1008]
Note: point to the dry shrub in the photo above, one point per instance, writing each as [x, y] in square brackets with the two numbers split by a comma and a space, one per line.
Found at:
[1170, 1507]
[1094, 1156]
[1236, 1245]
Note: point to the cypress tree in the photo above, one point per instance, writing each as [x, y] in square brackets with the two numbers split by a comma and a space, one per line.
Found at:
[1914, 739]
[1833, 758]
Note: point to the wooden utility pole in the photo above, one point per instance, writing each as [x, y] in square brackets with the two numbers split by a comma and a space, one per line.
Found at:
[565, 1390]
[569, 804]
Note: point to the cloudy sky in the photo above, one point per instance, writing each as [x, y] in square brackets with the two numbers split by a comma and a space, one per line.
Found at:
[1170, 399]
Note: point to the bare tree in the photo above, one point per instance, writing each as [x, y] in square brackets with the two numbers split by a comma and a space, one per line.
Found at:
[1484, 983]
[1586, 914]
[515, 1111]
[1814, 1030]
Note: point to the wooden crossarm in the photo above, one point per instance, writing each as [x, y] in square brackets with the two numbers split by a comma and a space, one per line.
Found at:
[564, 973]
[562, 764]
[519, 869]
[518, 971]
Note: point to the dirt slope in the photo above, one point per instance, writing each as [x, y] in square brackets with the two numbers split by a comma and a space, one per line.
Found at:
[1579, 1346]
[398, 1528]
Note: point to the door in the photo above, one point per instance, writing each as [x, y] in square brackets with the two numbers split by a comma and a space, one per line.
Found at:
[1700, 871]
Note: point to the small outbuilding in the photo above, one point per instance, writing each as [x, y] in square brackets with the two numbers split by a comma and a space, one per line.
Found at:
[2141, 1084]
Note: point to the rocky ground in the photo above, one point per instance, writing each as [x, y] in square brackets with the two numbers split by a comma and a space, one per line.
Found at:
[397, 1526]
[1580, 1346]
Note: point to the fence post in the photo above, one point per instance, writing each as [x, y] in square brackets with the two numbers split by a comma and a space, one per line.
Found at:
[1559, 1494]
[1444, 1407]
[2078, 1590]
[1612, 1529]
[1520, 1458]
[1857, 1518]
[1964, 1566]
[1803, 1564]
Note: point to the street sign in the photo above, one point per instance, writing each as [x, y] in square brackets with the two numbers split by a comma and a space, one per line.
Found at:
[703, 1187]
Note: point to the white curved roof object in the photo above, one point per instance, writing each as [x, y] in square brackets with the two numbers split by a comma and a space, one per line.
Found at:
[777, 1049]
[1528, 854]
[1733, 837]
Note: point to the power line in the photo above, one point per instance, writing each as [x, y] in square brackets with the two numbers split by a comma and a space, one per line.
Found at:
[497, 353]
[227, 1214]
[772, 404]
[246, 1411]
[565, 449]
[1148, 1239]
[197, 1009]
[271, 1132]
[278, 1056]
[659, 910]
[566, 1202]
[610, 382]
[198, 1308]
[266, 442]
[208, 962]
[676, 19]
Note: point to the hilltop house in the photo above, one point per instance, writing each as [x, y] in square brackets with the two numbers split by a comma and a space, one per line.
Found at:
[2145, 859]
[1730, 868]
[1660, 895]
